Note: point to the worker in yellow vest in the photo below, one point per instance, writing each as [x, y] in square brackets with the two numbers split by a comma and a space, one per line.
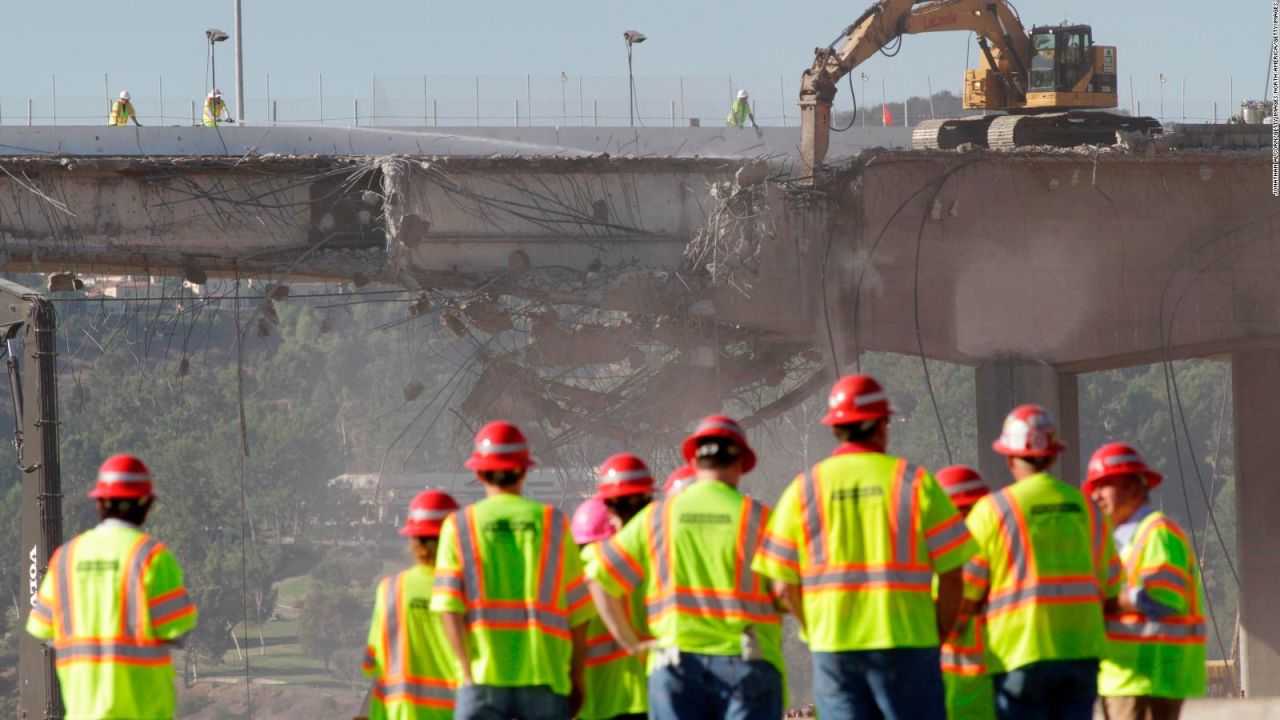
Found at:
[1155, 654]
[964, 652]
[510, 587]
[215, 110]
[407, 655]
[114, 604]
[854, 547]
[122, 111]
[615, 679]
[740, 112]
[1046, 566]
[717, 647]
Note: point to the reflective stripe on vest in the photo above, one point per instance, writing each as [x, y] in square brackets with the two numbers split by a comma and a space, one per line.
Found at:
[119, 650]
[740, 602]
[518, 614]
[395, 683]
[961, 659]
[603, 649]
[135, 595]
[66, 618]
[1134, 627]
[1028, 586]
[901, 572]
[418, 691]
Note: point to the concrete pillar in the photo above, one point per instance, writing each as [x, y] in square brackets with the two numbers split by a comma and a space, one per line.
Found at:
[1005, 383]
[1255, 387]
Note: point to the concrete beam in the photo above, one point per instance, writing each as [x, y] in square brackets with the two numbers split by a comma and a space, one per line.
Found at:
[1006, 383]
[1255, 386]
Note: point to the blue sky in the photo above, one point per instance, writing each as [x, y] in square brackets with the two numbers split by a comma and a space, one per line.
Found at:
[138, 40]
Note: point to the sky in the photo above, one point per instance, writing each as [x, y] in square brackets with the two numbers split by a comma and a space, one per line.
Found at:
[73, 43]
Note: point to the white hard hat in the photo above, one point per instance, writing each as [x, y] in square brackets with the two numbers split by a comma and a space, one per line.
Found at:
[742, 94]
[124, 95]
[216, 93]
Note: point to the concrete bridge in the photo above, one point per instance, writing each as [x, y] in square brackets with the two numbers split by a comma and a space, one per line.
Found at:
[1031, 267]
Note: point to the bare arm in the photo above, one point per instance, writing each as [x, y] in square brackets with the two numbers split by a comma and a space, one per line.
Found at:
[577, 671]
[613, 611]
[792, 599]
[950, 600]
[455, 628]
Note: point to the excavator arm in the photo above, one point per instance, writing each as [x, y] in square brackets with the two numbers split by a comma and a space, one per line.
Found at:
[1001, 36]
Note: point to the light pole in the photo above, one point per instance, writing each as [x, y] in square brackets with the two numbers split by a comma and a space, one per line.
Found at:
[239, 68]
[864, 98]
[1162, 81]
[632, 37]
[214, 36]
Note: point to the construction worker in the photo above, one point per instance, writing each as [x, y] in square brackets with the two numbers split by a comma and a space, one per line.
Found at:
[740, 112]
[1155, 653]
[853, 547]
[615, 679]
[626, 486]
[215, 110]
[407, 655]
[509, 585]
[113, 604]
[964, 663]
[717, 647]
[122, 111]
[1046, 565]
[678, 480]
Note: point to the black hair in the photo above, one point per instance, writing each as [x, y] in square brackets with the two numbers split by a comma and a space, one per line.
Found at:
[132, 510]
[501, 478]
[424, 548]
[716, 453]
[1040, 464]
[628, 506]
[861, 432]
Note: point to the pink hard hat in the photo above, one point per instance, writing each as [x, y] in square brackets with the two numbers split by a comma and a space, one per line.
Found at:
[591, 522]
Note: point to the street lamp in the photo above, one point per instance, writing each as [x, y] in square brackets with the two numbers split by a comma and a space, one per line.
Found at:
[1162, 81]
[214, 36]
[864, 99]
[632, 37]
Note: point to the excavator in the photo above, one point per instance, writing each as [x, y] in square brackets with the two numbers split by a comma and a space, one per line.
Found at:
[1049, 86]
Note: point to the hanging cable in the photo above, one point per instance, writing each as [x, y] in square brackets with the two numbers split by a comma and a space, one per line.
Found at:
[853, 118]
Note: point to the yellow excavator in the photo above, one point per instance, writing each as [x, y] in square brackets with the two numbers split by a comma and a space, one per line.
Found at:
[1051, 84]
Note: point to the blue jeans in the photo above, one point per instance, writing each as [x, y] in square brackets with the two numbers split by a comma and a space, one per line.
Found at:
[715, 686]
[894, 684]
[489, 702]
[1049, 690]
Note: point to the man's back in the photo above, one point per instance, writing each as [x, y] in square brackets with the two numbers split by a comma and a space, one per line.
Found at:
[111, 601]
[1048, 560]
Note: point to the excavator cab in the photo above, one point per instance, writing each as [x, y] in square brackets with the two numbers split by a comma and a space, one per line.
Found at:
[1068, 70]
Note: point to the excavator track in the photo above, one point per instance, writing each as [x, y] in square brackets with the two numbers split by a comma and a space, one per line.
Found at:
[1065, 129]
[950, 133]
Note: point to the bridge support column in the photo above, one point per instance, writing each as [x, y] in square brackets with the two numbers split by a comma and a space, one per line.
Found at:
[1255, 387]
[1005, 383]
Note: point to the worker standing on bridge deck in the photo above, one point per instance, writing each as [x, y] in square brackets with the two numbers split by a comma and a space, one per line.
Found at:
[964, 652]
[122, 111]
[615, 679]
[407, 655]
[510, 587]
[1155, 646]
[215, 110]
[1045, 568]
[113, 604]
[717, 651]
[740, 112]
[853, 547]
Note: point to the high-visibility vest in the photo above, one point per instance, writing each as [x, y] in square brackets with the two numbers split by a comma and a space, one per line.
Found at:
[111, 601]
[738, 113]
[615, 680]
[509, 565]
[1166, 657]
[1046, 561]
[970, 692]
[121, 111]
[864, 533]
[408, 653]
[214, 109]
[691, 554]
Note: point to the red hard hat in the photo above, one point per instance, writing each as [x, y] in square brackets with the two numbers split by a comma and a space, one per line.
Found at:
[720, 426]
[855, 399]
[624, 474]
[1029, 431]
[427, 513]
[1119, 459]
[500, 446]
[678, 479]
[591, 522]
[122, 477]
[962, 484]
